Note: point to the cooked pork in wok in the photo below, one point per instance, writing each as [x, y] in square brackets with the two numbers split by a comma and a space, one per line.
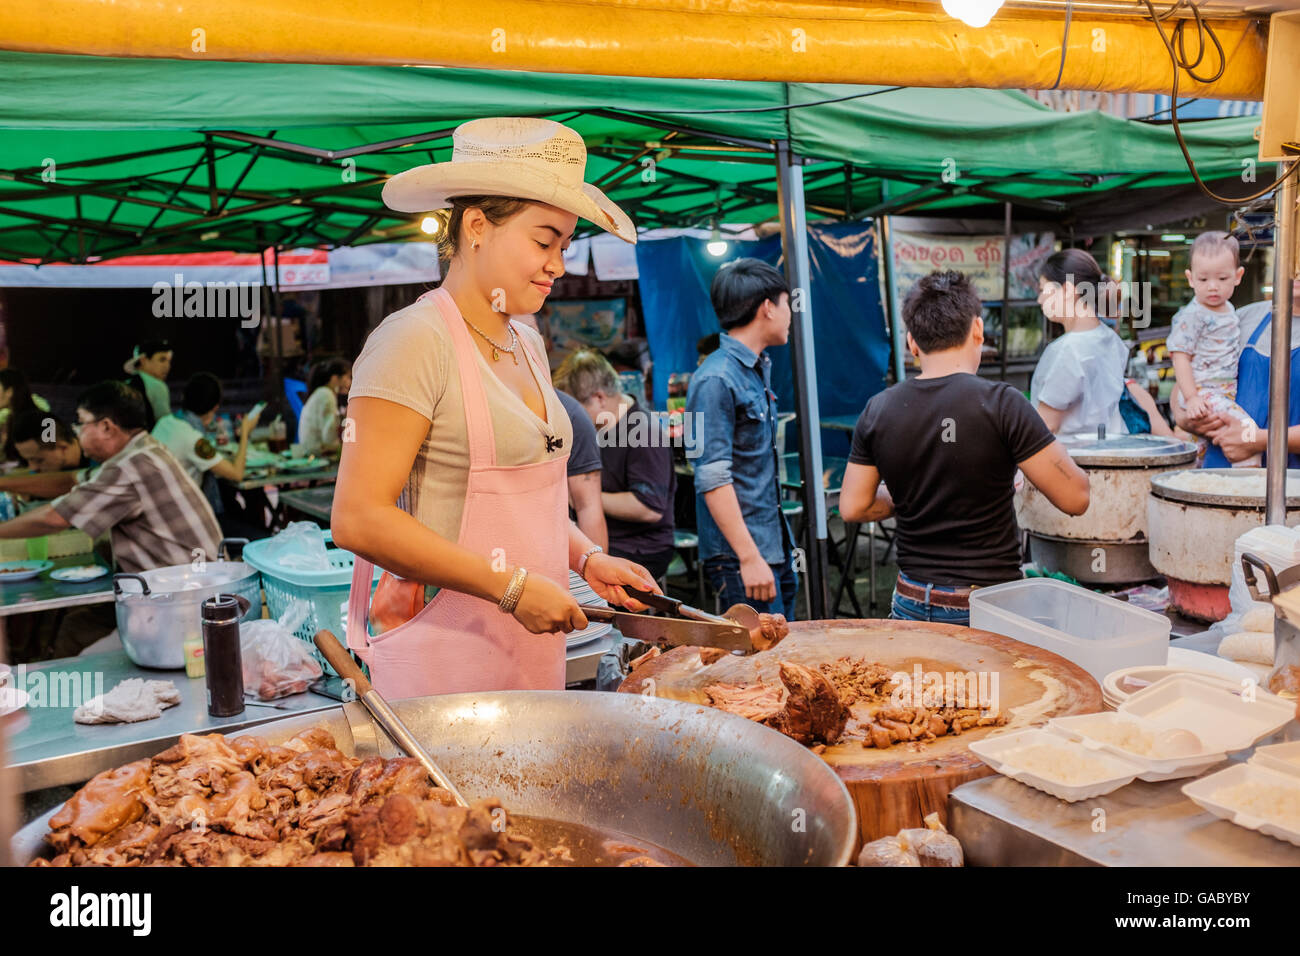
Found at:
[209, 801]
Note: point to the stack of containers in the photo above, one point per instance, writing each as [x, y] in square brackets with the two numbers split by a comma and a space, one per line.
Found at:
[1212, 709]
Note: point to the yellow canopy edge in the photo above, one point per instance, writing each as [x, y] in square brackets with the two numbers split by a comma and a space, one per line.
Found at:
[889, 43]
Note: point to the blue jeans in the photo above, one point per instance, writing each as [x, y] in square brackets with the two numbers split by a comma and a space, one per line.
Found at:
[724, 576]
[909, 609]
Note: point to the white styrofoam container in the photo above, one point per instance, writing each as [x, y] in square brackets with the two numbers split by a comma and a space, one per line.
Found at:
[1000, 753]
[1156, 769]
[1099, 633]
[1215, 712]
[1282, 757]
[1201, 792]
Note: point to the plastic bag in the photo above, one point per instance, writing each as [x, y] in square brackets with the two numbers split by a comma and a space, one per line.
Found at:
[933, 846]
[276, 662]
[301, 545]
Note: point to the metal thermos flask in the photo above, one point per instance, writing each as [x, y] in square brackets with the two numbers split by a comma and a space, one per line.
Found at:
[224, 669]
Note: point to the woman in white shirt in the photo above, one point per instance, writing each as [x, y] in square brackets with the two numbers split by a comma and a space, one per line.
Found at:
[1080, 377]
[318, 426]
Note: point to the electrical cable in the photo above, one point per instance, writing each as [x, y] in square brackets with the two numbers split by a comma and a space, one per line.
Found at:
[1179, 61]
[1065, 40]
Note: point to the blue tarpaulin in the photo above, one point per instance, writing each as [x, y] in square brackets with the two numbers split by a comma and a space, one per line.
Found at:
[849, 331]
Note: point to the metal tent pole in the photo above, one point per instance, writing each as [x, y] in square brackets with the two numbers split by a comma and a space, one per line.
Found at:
[1279, 373]
[897, 334]
[1004, 345]
[794, 244]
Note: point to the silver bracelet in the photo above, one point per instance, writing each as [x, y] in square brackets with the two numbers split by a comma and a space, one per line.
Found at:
[582, 561]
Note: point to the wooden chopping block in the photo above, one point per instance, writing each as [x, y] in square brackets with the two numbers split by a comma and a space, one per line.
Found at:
[896, 788]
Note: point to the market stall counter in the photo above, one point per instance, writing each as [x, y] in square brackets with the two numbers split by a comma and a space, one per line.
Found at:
[1001, 822]
[52, 750]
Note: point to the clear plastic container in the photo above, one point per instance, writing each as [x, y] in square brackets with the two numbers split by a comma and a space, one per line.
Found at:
[1099, 633]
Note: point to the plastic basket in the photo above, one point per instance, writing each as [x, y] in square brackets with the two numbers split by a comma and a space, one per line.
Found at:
[326, 591]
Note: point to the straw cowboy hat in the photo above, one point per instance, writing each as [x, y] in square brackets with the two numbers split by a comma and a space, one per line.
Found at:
[511, 156]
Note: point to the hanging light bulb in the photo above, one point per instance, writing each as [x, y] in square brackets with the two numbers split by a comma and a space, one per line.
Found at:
[717, 245]
[430, 225]
[974, 13]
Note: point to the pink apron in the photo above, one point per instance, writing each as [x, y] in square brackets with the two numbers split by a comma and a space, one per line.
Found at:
[516, 515]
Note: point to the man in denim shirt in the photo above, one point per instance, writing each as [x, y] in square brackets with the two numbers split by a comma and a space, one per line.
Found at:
[744, 538]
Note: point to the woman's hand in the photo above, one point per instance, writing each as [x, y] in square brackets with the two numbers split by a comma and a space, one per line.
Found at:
[545, 607]
[1238, 439]
[606, 575]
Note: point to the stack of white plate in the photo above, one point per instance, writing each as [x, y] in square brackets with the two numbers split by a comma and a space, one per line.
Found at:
[583, 594]
[1121, 684]
[12, 701]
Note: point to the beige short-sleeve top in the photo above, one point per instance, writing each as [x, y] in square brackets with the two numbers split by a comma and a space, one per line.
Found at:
[409, 359]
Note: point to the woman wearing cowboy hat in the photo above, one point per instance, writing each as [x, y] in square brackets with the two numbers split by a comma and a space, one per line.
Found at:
[453, 467]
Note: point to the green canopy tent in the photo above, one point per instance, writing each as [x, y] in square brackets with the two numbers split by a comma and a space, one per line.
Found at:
[107, 157]
[110, 157]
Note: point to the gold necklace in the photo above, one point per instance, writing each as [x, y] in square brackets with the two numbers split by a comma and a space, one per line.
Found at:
[497, 349]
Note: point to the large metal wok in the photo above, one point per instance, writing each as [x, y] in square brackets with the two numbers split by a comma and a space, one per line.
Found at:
[711, 787]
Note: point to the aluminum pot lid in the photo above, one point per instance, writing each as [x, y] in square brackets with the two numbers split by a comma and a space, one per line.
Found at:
[185, 577]
[1230, 487]
[1128, 451]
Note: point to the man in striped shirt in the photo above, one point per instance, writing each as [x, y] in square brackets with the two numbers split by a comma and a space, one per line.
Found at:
[154, 512]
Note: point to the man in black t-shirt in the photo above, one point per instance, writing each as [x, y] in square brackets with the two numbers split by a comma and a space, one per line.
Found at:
[946, 445]
[637, 481]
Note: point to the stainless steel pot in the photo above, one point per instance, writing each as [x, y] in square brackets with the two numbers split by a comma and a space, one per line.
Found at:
[158, 610]
[712, 787]
[1107, 544]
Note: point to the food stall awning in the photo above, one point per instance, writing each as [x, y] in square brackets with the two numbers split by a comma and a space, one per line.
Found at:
[95, 161]
[904, 42]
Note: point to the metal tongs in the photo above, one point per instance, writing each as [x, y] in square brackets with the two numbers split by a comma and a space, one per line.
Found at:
[732, 631]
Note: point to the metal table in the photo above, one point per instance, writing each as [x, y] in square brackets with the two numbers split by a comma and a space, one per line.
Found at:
[53, 750]
[42, 593]
[313, 502]
[1001, 822]
[278, 479]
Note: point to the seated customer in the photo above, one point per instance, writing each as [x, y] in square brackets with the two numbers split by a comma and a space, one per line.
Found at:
[155, 514]
[637, 482]
[16, 397]
[52, 452]
[183, 434]
[318, 426]
[149, 365]
[947, 444]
